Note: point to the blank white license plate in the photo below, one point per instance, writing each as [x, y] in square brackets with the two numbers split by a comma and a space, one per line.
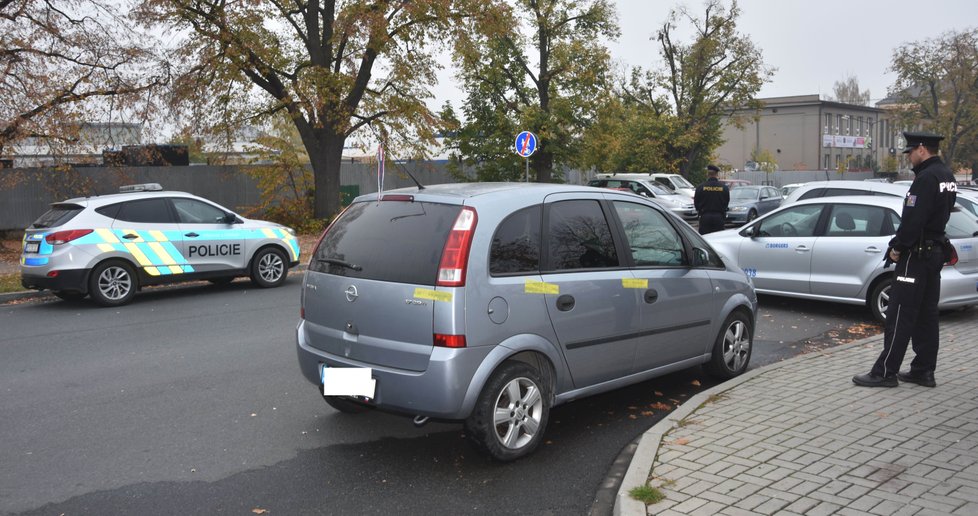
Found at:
[347, 381]
[32, 247]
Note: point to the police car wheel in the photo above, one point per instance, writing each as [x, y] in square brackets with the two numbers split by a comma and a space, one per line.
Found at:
[112, 283]
[70, 295]
[879, 299]
[269, 268]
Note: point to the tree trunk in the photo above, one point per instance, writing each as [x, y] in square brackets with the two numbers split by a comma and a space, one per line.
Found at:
[542, 163]
[325, 155]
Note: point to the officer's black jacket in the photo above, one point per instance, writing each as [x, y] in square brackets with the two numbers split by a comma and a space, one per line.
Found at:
[711, 196]
[927, 206]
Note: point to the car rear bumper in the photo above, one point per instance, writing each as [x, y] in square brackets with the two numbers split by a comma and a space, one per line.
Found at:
[436, 392]
[71, 279]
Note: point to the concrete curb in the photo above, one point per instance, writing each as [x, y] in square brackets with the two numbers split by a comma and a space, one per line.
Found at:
[648, 449]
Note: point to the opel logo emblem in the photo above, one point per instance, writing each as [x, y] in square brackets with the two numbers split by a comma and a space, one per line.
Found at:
[351, 293]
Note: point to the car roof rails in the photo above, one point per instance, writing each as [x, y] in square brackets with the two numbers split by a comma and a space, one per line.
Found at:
[144, 187]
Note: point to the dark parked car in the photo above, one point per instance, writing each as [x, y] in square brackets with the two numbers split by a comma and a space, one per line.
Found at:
[748, 202]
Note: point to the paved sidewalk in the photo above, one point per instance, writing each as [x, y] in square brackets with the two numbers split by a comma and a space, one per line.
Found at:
[798, 437]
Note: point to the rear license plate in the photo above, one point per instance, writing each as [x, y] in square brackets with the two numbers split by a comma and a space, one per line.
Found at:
[32, 247]
[347, 381]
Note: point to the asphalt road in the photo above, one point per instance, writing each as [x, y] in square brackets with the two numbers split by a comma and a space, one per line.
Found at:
[189, 401]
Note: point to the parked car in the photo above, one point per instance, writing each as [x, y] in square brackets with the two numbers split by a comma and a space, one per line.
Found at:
[749, 202]
[676, 182]
[735, 183]
[788, 188]
[678, 204]
[968, 199]
[110, 246]
[832, 249]
[816, 189]
[490, 303]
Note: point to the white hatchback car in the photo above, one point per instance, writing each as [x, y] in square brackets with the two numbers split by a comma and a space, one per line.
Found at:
[832, 248]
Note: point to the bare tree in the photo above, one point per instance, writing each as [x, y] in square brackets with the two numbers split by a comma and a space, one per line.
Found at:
[847, 91]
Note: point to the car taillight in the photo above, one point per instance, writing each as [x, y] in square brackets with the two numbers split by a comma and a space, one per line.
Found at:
[449, 341]
[455, 255]
[63, 237]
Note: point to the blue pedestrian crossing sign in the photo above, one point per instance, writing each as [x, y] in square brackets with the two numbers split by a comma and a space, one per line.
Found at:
[526, 144]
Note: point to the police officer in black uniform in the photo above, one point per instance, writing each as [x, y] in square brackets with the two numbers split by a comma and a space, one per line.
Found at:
[711, 201]
[918, 252]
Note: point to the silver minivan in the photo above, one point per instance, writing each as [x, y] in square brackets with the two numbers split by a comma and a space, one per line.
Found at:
[490, 303]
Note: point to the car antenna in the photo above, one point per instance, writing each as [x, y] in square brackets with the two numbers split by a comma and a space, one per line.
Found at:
[396, 164]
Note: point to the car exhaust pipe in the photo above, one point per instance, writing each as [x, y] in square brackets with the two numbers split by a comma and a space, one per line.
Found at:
[420, 421]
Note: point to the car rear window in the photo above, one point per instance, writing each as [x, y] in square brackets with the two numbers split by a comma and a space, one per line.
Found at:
[392, 241]
[57, 215]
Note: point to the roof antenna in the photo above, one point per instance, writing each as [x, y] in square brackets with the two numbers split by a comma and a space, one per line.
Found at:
[394, 160]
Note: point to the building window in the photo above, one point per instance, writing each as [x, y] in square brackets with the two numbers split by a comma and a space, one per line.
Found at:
[828, 162]
[828, 123]
[838, 124]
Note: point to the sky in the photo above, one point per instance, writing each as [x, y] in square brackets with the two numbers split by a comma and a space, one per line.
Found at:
[812, 43]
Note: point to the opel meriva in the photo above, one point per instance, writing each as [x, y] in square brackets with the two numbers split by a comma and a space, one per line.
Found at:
[491, 303]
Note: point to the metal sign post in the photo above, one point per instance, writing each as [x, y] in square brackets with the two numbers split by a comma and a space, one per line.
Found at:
[526, 145]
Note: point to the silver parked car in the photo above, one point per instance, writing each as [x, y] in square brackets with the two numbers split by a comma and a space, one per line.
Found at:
[490, 303]
[749, 202]
[110, 246]
[680, 205]
[832, 248]
[817, 189]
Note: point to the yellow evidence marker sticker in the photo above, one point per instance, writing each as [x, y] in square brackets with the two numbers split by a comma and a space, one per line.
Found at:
[423, 293]
[634, 283]
[540, 287]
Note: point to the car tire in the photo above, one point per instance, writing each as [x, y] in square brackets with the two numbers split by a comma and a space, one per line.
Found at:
[751, 215]
[223, 280]
[69, 295]
[346, 406]
[269, 268]
[112, 283]
[879, 299]
[511, 414]
[732, 349]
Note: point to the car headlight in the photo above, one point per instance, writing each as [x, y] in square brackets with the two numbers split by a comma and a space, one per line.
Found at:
[739, 208]
[290, 230]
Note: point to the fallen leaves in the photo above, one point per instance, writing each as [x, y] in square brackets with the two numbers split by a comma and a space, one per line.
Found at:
[695, 382]
[660, 406]
[259, 510]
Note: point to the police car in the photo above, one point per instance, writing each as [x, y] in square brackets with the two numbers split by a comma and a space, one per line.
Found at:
[110, 246]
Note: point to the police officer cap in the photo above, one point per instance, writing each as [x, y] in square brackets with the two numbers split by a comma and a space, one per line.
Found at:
[713, 168]
[917, 139]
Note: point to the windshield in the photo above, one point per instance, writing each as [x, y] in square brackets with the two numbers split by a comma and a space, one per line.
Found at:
[658, 189]
[744, 193]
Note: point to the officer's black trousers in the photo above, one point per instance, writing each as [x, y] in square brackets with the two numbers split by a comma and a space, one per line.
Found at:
[711, 221]
[912, 314]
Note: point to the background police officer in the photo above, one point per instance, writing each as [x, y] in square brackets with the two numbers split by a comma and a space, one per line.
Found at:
[711, 201]
[917, 250]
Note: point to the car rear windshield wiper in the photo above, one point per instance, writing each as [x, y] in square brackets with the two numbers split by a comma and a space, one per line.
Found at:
[341, 263]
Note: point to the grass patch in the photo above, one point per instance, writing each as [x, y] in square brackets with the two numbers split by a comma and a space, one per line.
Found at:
[10, 283]
[647, 494]
[686, 422]
[716, 397]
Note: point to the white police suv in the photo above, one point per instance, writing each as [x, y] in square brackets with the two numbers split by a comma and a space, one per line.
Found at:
[109, 246]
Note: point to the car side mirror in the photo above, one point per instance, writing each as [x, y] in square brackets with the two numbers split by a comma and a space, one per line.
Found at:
[230, 218]
[750, 231]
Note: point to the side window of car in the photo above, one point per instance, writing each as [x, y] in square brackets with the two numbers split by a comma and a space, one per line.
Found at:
[855, 221]
[579, 236]
[796, 221]
[834, 192]
[145, 211]
[192, 211]
[652, 240]
[515, 247]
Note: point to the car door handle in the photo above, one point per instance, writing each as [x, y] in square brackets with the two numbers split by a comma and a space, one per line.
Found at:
[565, 303]
[130, 236]
[191, 235]
[802, 249]
[651, 296]
[874, 250]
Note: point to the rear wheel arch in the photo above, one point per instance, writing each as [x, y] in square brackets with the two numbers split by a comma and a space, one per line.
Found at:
[535, 352]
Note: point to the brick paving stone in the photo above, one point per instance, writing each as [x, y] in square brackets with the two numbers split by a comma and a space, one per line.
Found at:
[774, 444]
